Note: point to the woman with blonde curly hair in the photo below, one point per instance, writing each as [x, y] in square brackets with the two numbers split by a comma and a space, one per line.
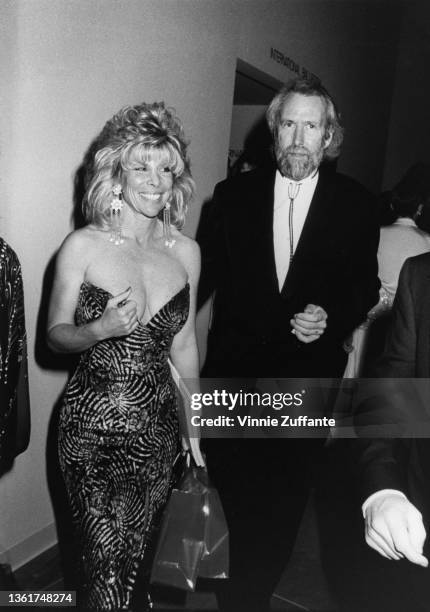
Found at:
[124, 297]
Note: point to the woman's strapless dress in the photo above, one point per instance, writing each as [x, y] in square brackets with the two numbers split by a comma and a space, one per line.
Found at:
[118, 438]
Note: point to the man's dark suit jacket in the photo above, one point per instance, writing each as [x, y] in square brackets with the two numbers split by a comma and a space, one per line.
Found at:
[334, 266]
[400, 399]
[402, 463]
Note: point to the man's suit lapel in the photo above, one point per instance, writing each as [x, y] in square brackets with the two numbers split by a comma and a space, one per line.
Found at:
[256, 227]
[314, 235]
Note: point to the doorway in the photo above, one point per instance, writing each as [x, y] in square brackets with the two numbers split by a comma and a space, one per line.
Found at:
[250, 141]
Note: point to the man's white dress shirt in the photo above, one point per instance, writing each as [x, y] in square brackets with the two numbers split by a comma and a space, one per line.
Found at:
[305, 190]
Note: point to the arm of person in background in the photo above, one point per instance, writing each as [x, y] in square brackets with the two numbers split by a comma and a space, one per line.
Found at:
[184, 352]
[393, 525]
[14, 393]
[118, 319]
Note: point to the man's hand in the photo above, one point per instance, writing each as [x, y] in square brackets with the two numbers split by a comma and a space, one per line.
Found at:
[309, 325]
[394, 528]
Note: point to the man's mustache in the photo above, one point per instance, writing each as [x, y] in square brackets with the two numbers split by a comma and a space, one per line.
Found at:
[297, 151]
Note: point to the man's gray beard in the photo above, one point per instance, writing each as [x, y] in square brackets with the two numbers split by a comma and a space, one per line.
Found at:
[297, 168]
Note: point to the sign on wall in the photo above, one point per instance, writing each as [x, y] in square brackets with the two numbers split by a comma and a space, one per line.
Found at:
[281, 58]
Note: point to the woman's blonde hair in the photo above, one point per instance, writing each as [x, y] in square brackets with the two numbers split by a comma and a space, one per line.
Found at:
[137, 131]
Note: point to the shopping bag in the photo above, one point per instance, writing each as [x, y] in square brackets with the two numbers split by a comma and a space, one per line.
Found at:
[194, 537]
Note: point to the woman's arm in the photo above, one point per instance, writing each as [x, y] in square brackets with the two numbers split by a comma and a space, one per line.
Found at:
[63, 334]
[184, 352]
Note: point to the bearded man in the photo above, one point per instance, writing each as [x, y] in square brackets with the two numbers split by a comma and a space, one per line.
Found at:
[290, 252]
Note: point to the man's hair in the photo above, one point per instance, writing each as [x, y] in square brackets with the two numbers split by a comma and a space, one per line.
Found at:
[308, 87]
[139, 131]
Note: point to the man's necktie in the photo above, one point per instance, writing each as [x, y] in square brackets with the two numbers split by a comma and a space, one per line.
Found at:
[293, 192]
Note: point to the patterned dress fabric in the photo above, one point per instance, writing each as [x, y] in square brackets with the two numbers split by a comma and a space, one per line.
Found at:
[118, 438]
[13, 366]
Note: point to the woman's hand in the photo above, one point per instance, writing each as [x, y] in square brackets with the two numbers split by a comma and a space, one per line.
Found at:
[119, 317]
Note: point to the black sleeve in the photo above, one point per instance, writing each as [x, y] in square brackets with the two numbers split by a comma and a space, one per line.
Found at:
[210, 237]
[14, 407]
[389, 410]
[398, 359]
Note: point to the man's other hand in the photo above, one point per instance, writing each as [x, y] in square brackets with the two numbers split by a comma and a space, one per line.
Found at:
[310, 324]
[394, 528]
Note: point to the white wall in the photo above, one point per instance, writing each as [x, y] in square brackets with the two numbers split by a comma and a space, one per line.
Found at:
[67, 66]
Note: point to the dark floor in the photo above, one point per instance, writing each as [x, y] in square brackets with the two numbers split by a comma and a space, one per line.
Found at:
[44, 573]
[301, 589]
[329, 557]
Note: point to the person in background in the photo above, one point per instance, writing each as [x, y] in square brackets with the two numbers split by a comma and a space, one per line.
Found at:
[124, 297]
[408, 233]
[14, 396]
[393, 472]
[404, 233]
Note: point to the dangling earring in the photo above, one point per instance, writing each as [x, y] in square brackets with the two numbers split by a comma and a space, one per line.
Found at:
[167, 228]
[116, 207]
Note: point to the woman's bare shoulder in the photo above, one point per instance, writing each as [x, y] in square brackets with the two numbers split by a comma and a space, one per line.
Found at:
[187, 251]
[186, 247]
[78, 246]
[82, 238]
